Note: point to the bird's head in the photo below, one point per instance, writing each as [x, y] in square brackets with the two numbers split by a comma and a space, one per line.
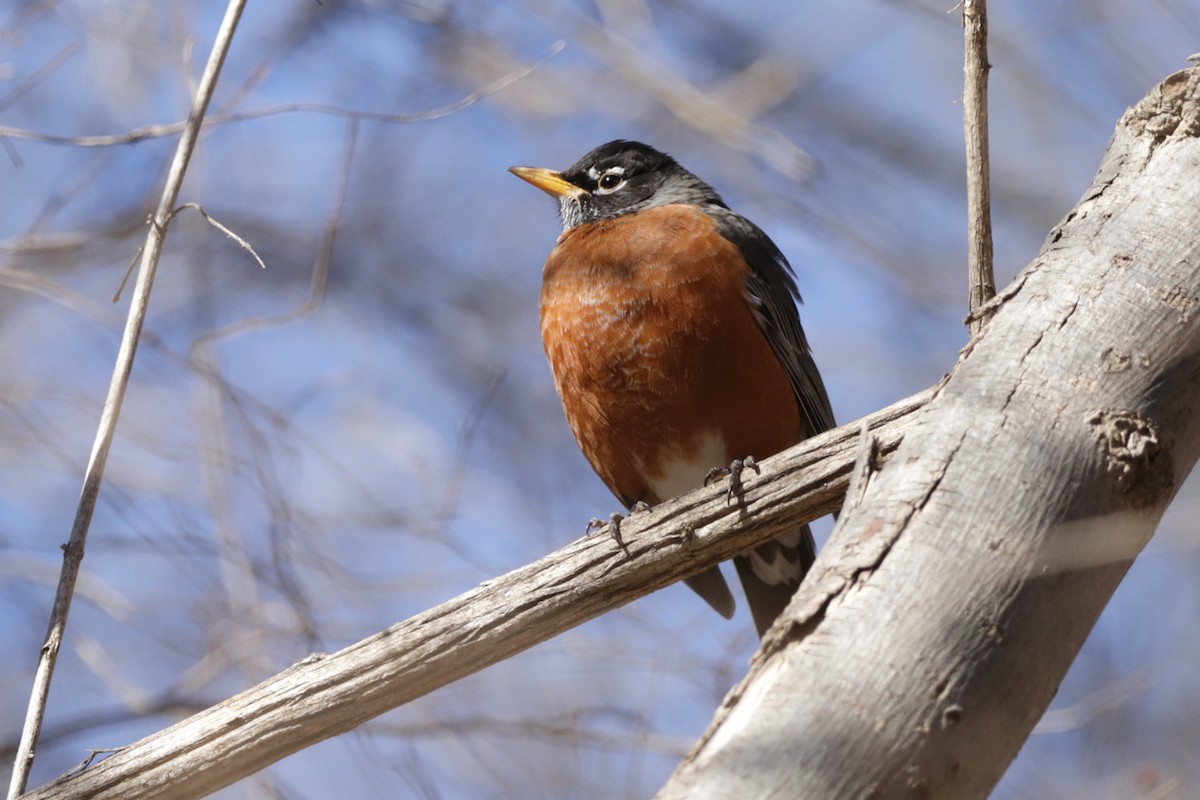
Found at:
[617, 178]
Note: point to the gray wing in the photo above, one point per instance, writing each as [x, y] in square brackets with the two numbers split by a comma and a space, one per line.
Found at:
[771, 291]
[772, 571]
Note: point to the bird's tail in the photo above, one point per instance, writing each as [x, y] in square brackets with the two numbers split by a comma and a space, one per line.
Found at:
[711, 586]
[771, 573]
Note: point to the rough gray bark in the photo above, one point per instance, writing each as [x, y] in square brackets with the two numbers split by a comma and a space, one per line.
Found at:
[939, 621]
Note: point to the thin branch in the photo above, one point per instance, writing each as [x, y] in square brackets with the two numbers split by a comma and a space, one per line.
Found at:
[1108, 697]
[43, 72]
[325, 695]
[159, 131]
[982, 281]
[21, 89]
[718, 114]
[242, 243]
[223, 229]
[73, 550]
[198, 353]
[238, 577]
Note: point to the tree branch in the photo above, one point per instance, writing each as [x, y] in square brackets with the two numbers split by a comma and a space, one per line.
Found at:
[158, 131]
[981, 279]
[938, 622]
[325, 695]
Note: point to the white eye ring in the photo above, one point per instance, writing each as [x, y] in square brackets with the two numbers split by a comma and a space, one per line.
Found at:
[610, 180]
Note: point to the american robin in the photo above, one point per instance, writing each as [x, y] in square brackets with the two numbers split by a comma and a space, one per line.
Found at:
[671, 328]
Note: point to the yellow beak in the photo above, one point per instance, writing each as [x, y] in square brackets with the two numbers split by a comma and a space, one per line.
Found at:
[549, 181]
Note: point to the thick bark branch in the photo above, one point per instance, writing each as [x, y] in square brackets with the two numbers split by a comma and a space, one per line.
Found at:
[940, 619]
[325, 695]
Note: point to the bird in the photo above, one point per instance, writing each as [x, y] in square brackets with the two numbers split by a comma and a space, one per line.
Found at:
[671, 327]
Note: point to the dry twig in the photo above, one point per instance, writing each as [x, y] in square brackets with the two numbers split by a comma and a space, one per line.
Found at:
[73, 550]
[982, 281]
[159, 131]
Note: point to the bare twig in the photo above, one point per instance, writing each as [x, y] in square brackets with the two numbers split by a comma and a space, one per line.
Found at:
[242, 243]
[238, 577]
[982, 282]
[720, 114]
[43, 72]
[159, 131]
[223, 229]
[73, 550]
[1111, 695]
[133, 262]
[91, 756]
[21, 89]
[198, 354]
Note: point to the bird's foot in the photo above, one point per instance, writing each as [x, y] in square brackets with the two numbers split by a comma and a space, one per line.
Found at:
[734, 471]
[613, 523]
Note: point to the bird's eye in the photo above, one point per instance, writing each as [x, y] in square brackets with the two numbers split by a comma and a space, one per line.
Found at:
[610, 180]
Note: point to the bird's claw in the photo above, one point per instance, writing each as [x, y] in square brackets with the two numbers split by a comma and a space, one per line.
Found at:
[613, 523]
[595, 523]
[734, 471]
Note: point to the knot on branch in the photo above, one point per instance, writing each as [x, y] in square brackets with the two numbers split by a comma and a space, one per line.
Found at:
[1179, 300]
[1134, 457]
[1171, 108]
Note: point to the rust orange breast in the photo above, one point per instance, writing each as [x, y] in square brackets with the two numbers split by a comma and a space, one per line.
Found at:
[656, 353]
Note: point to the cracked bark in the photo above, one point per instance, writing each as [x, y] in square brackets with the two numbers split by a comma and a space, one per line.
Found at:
[951, 599]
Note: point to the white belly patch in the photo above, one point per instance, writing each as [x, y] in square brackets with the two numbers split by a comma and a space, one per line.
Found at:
[679, 473]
